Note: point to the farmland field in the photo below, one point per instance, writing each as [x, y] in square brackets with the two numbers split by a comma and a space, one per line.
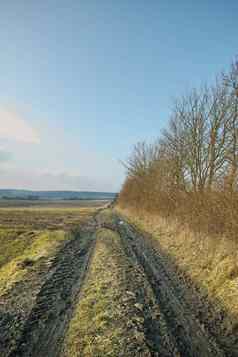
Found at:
[52, 215]
[81, 281]
[32, 237]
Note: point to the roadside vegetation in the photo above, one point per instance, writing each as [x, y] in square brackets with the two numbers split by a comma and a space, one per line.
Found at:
[183, 189]
[191, 171]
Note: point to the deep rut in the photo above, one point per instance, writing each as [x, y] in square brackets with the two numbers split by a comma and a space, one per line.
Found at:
[44, 330]
[46, 326]
[183, 328]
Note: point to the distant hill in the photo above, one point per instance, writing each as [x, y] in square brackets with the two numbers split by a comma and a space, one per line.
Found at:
[55, 195]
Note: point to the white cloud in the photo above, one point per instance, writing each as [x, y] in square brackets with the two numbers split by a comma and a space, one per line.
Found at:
[14, 127]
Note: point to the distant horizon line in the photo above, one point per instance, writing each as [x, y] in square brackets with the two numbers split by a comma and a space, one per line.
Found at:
[68, 191]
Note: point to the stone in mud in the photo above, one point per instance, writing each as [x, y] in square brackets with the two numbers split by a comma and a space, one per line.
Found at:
[139, 307]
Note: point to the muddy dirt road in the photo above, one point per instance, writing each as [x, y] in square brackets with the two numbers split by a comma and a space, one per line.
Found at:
[166, 325]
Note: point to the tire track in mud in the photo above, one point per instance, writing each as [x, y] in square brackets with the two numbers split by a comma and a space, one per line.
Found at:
[184, 331]
[174, 331]
[45, 328]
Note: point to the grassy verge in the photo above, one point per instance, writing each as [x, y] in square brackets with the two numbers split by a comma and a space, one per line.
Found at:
[207, 263]
[24, 252]
[107, 319]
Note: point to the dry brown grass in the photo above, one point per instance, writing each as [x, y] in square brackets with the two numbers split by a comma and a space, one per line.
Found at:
[211, 264]
[210, 212]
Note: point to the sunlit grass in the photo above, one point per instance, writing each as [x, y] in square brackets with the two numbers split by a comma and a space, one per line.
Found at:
[26, 250]
[12, 243]
[29, 235]
[210, 263]
[100, 325]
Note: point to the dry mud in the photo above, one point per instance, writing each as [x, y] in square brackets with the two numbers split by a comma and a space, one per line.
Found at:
[155, 320]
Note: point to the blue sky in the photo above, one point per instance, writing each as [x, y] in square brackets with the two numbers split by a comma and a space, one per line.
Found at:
[82, 81]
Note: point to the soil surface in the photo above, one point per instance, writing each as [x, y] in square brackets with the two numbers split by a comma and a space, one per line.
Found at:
[155, 320]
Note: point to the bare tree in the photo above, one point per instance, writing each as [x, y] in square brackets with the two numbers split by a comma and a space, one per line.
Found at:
[192, 114]
[218, 123]
[141, 159]
[231, 82]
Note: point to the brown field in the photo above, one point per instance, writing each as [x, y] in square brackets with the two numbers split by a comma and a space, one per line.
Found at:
[51, 204]
[41, 215]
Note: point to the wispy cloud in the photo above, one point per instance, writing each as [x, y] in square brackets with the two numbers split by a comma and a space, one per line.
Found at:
[14, 127]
